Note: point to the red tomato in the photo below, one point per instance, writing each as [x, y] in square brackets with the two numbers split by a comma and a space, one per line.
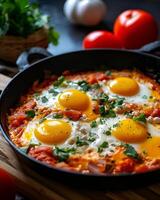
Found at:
[101, 39]
[7, 187]
[135, 28]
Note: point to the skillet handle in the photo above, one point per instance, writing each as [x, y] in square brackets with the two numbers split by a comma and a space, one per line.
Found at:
[151, 48]
[30, 56]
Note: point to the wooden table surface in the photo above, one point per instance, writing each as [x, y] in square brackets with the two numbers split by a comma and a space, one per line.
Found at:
[32, 184]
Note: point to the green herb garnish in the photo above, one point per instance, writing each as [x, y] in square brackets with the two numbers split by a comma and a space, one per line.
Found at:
[44, 99]
[93, 124]
[53, 92]
[102, 146]
[57, 115]
[144, 97]
[140, 118]
[22, 18]
[103, 98]
[30, 113]
[42, 120]
[84, 85]
[107, 132]
[106, 113]
[81, 142]
[63, 153]
[130, 151]
[59, 81]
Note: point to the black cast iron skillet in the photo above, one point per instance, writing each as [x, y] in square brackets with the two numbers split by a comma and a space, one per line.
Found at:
[78, 61]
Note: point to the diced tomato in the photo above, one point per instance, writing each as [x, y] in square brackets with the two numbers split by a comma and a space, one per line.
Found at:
[126, 165]
[73, 114]
[141, 168]
[156, 112]
[99, 76]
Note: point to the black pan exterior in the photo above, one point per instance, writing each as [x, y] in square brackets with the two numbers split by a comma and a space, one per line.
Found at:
[77, 61]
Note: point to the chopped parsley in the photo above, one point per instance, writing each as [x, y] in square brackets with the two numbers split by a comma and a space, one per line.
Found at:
[63, 153]
[44, 99]
[130, 151]
[92, 138]
[107, 132]
[144, 97]
[84, 85]
[57, 115]
[106, 113]
[117, 103]
[53, 92]
[30, 113]
[102, 146]
[140, 118]
[59, 81]
[93, 124]
[103, 98]
[81, 142]
[42, 120]
[96, 86]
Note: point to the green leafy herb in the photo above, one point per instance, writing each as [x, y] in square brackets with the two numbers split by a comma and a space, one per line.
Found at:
[22, 18]
[53, 92]
[102, 146]
[81, 142]
[93, 124]
[57, 115]
[59, 81]
[106, 113]
[103, 98]
[117, 103]
[107, 132]
[84, 85]
[92, 138]
[42, 120]
[63, 153]
[144, 97]
[130, 151]
[30, 113]
[44, 99]
[108, 73]
[96, 86]
[140, 118]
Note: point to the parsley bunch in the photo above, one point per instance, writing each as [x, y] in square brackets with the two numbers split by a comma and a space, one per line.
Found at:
[21, 18]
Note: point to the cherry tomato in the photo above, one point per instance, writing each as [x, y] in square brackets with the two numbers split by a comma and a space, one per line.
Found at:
[135, 28]
[101, 39]
[7, 187]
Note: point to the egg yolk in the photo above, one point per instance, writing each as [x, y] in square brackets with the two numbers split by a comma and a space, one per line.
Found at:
[130, 131]
[124, 86]
[53, 131]
[151, 147]
[74, 99]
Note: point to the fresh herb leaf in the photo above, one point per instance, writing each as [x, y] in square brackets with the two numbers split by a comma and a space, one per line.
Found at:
[111, 113]
[63, 153]
[96, 86]
[106, 113]
[30, 113]
[140, 118]
[130, 151]
[59, 81]
[117, 103]
[102, 146]
[92, 138]
[81, 142]
[102, 111]
[144, 97]
[53, 92]
[22, 18]
[103, 98]
[108, 73]
[44, 99]
[107, 132]
[57, 115]
[84, 85]
[42, 120]
[93, 124]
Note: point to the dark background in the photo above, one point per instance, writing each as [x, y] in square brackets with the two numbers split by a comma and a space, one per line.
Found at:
[71, 35]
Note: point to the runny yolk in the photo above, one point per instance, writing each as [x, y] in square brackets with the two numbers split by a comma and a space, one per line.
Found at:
[74, 99]
[130, 131]
[151, 147]
[124, 86]
[53, 131]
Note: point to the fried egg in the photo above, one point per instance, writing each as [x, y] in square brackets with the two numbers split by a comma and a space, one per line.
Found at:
[129, 89]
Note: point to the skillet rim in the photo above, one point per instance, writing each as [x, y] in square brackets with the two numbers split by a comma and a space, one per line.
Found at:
[29, 158]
